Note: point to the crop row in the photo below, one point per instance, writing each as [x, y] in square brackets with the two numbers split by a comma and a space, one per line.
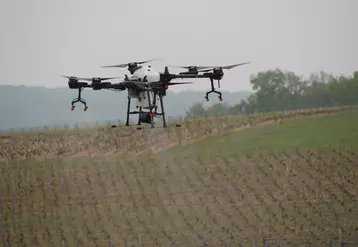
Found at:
[229, 201]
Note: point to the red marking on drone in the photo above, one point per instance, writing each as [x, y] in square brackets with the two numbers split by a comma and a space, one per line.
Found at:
[72, 108]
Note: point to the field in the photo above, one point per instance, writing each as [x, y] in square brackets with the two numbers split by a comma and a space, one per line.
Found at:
[235, 182]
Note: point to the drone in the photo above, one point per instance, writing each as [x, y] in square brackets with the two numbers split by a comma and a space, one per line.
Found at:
[147, 86]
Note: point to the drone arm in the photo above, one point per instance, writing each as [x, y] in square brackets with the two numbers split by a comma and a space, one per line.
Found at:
[125, 85]
[83, 86]
[118, 86]
[184, 76]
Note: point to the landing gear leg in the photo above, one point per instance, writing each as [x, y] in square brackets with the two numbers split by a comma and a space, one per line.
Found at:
[213, 90]
[151, 106]
[79, 99]
[128, 110]
[140, 112]
[162, 109]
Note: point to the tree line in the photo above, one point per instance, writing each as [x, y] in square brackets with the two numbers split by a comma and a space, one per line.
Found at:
[278, 90]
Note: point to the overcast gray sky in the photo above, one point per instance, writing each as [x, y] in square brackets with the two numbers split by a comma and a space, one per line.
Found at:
[42, 38]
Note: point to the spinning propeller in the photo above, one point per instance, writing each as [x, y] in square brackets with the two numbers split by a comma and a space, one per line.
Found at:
[123, 65]
[93, 79]
[132, 66]
[193, 69]
[212, 68]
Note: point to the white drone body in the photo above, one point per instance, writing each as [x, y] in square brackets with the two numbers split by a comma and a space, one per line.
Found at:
[143, 74]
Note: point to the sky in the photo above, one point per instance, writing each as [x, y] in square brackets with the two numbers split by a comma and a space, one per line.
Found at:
[40, 39]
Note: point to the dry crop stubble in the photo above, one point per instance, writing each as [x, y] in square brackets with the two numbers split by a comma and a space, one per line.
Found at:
[158, 199]
[108, 141]
[97, 202]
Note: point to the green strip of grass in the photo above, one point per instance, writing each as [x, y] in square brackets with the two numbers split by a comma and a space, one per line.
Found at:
[335, 130]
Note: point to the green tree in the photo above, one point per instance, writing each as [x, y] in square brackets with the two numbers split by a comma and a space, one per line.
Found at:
[235, 109]
[196, 110]
[272, 89]
[218, 109]
[277, 90]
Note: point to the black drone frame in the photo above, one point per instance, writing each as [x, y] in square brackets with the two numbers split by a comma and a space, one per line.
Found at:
[213, 73]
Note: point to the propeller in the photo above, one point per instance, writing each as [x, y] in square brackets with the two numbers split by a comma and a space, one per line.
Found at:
[192, 67]
[123, 65]
[73, 77]
[90, 79]
[100, 78]
[223, 67]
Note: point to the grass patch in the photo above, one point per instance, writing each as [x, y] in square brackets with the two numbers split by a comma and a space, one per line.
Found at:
[323, 131]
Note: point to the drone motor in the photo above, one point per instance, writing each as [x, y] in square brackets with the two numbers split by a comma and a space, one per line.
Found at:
[73, 82]
[96, 83]
[218, 74]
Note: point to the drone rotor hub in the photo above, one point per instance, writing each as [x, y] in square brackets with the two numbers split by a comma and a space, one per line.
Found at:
[193, 69]
[73, 79]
